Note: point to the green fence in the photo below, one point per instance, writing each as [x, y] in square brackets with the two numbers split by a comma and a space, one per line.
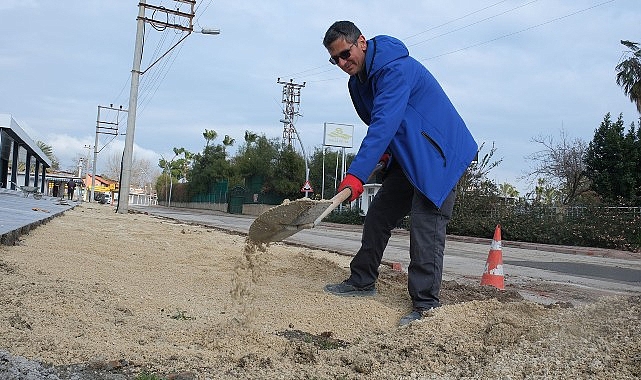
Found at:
[217, 194]
[250, 194]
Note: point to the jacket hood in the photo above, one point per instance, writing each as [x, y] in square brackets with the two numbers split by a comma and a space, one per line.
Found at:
[382, 50]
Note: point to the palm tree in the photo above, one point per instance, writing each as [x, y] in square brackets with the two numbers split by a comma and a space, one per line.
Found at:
[228, 141]
[250, 137]
[507, 190]
[629, 73]
[48, 151]
[210, 135]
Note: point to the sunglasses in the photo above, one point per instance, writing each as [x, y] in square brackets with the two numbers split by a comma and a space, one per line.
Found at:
[344, 55]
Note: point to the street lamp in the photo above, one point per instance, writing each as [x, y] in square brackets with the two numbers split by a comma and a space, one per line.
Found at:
[210, 31]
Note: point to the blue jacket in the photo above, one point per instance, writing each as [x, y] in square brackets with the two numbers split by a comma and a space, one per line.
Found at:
[410, 116]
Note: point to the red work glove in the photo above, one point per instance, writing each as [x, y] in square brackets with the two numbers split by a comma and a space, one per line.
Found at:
[354, 184]
[384, 159]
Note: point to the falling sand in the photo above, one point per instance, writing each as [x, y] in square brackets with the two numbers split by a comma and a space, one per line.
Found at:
[247, 274]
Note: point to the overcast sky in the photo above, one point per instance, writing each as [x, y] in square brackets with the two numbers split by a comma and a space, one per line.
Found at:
[515, 70]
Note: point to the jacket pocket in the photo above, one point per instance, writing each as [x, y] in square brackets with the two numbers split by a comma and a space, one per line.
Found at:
[436, 146]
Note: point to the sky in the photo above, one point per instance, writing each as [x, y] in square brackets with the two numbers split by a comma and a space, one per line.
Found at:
[514, 69]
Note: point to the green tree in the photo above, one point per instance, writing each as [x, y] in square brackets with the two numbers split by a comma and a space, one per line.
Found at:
[545, 194]
[289, 173]
[208, 168]
[331, 162]
[209, 135]
[612, 161]
[250, 137]
[172, 170]
[508, 191]
[184, 162]
[256, 159]
[227, 142]
[629, 73]
[477, 196]
[48, 151]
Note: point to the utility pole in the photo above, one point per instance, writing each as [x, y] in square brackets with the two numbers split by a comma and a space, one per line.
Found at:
[106, 128]
[291, 100]
[160, 17]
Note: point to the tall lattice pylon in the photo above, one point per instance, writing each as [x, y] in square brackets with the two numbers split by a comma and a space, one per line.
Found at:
[291, 101]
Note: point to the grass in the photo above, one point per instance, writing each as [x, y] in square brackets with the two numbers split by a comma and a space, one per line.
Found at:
[148, 376]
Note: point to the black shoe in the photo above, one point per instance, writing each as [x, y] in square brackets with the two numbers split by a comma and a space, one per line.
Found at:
[346, 289]
[415, 315]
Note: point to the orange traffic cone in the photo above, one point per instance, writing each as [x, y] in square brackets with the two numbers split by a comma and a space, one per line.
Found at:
[493, 274]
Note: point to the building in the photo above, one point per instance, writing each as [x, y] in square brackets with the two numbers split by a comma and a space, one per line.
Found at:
[56, 185]
[20, 154]
[105, 186]
[369, 192]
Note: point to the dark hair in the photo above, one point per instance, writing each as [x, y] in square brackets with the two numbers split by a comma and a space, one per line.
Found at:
[341, 29]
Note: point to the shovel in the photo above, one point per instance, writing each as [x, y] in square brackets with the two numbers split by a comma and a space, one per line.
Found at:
[286, 219]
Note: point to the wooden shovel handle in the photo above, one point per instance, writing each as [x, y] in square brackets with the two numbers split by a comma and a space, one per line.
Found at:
[344, 195]
[339, 198]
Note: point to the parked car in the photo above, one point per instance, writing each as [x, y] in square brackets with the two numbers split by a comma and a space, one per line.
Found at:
[99, 197]
[103, 198]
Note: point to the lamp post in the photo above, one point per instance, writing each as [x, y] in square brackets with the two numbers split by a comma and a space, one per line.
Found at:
[93, 168]
[210, 31]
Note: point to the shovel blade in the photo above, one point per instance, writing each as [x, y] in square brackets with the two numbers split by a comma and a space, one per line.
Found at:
[284, 220]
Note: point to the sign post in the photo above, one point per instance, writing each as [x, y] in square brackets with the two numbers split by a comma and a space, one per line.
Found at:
[338, 135]
[307, 188]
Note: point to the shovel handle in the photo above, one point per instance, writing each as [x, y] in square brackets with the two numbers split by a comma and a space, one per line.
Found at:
[336, 200]
[343, 196]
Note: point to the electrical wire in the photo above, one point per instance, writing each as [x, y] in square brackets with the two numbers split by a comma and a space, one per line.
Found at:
[325, 69]
[201, 13]
[482, 42]
[474, 23]
[518, 32]
[456, 19]
[151, 83]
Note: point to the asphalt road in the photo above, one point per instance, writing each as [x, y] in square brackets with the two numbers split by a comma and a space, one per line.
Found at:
[543, 273]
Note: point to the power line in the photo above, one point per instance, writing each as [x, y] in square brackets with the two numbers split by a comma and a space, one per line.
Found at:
[518, 32]
[474, 23]
[456, 19]
[492, 39]
[325, 69]
[203, 12]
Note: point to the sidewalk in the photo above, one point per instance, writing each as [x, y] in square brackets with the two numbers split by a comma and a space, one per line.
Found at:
[19, 214]
[573, 250]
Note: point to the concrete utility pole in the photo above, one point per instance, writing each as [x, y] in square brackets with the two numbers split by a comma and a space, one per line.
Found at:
[106, 128]
[127, 156]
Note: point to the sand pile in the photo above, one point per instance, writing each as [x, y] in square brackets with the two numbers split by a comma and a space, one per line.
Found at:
[126, 293]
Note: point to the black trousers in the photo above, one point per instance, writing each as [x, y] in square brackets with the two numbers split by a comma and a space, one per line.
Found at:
[396, 199]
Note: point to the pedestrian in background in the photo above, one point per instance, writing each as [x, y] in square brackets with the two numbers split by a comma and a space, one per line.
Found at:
[71, 187]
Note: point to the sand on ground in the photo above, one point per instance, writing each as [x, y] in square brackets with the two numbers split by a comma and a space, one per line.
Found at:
[164, 297]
